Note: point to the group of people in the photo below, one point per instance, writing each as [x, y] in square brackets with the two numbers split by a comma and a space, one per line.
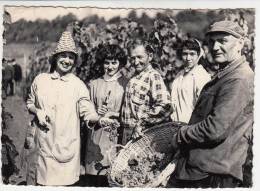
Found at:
[11, 75]
[218, 111]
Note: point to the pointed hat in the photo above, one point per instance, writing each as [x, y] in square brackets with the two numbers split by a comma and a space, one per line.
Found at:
[66, 44]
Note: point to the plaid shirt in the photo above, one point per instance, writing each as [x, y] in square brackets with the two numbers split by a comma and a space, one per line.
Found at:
[147, 100]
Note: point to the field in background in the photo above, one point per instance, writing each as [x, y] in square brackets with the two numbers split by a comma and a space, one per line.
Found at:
[21, 53]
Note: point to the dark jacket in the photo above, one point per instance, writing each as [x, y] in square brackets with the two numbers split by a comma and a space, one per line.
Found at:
[8, 73]
[216, 139]
[17, 72]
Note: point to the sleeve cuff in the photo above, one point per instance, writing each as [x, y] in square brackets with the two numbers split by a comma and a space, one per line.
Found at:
[92, 121]
[181, 135]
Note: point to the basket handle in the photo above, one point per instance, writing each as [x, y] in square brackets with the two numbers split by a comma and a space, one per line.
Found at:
[109, 152]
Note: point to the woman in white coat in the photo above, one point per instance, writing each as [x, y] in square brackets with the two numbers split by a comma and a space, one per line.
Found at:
[58, 99]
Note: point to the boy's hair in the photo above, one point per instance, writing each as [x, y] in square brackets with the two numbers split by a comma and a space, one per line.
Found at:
[191, 44]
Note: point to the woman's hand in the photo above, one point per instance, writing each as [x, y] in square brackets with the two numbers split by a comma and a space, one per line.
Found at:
[42, 117]
[112, 115]
[102, 110]
[105, 121]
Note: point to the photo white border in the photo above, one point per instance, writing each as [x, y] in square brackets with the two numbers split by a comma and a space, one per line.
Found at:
[164, 4]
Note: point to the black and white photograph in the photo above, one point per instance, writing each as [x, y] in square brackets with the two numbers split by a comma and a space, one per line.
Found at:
[128, 97]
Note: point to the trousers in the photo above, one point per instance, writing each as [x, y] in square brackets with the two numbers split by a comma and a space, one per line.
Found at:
[212, 181]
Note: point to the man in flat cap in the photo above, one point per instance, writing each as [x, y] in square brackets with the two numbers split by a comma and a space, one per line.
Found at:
[214, 144]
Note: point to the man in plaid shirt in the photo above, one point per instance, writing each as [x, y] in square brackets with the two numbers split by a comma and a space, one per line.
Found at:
[147, 101]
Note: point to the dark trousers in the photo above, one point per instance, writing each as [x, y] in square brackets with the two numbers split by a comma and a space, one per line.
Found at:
[8, 85]
[212, 181]
[95, 181]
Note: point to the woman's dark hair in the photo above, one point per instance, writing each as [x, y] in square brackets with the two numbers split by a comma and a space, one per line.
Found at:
[111, 51]
[191, 44]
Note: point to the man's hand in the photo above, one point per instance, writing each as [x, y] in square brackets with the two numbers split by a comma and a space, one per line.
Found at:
[137, 132]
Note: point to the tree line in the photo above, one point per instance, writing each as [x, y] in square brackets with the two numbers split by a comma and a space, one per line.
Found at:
[190, 21]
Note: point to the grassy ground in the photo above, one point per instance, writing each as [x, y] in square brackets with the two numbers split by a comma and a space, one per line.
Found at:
[16, 129]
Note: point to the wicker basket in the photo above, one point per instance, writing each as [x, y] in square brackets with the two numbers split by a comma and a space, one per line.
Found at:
[155, 139]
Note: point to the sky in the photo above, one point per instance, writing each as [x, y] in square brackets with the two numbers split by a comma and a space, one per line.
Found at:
[33, 13]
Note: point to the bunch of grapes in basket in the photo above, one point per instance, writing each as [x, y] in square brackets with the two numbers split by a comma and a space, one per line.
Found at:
[142, 170]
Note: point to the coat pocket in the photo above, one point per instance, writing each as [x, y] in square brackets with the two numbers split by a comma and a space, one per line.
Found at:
[63, 152]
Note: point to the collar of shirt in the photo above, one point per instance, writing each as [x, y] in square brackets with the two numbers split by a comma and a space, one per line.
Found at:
[230, 67]
[113, 78]
[192, 70]
[147, 69]
[55, 75]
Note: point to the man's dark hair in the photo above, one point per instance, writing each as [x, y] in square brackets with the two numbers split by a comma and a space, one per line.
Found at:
[140, 41]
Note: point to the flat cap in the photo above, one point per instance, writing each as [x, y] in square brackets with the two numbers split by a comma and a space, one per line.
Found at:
[227, 26]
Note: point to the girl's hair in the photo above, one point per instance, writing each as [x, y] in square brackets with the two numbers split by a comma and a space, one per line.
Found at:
[191, 44]
[111, 51]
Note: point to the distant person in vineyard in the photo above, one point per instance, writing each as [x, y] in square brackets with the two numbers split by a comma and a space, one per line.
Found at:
[4, 63]
[8, 77]
[147, 101]
[188, 83]
[17, 75]
[215, 143]
[106, 93]
[17, 71]
[58, 100]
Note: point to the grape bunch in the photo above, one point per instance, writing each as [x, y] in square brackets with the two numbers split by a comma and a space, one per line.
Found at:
[142, 170]
[112, 129]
